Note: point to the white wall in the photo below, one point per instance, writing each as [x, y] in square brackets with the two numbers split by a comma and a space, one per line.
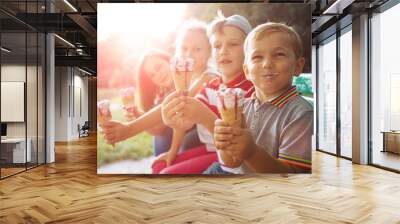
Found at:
[80, 100]
[61, 103]
[70, 83]
[16, 73]
[33, 127]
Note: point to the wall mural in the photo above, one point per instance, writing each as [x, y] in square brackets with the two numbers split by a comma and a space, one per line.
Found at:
[212, 89]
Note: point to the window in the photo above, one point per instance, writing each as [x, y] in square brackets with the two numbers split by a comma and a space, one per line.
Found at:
[385, 87]
[346, 93]
[22, 65]
[327, 96]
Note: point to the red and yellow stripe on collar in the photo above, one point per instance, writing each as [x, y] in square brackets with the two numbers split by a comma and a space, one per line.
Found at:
[285, 97]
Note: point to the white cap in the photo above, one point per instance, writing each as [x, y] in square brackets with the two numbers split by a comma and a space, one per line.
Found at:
[240, 22]
[237, 21]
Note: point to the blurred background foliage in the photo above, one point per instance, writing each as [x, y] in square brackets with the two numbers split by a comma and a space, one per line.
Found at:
[304, 85]
[134, 148]
[117, 61]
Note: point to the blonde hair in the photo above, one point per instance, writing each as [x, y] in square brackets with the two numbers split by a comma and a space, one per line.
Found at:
[217, 24]
[270, 27]
[190, 25]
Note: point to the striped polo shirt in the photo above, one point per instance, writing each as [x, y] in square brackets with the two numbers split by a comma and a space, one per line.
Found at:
[208, 96]
[283, 127]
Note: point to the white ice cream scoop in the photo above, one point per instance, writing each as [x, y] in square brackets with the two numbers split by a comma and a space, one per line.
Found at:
[182, 64]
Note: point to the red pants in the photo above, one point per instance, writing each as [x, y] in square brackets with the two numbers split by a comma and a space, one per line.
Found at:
[191, 161]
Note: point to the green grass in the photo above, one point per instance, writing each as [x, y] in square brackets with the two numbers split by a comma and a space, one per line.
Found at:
[135, 148]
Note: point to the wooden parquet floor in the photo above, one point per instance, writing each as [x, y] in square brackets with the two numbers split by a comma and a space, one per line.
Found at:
[70, 191]
[10, 171]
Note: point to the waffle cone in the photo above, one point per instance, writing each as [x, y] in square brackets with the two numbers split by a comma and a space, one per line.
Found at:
[128, 101]
[232, 116]
[102, 119]
[182, 80]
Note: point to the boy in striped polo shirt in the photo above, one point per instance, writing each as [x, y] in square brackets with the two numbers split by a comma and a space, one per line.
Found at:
[279, 123]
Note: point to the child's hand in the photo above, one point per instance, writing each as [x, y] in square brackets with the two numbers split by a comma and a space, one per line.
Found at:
[131, 113]
[242, 145]
[115, 131]
[222, 134]
[171, 156]
[168, 157]
[171, 112]
[193, 109]
[162, 156]
[223, 138]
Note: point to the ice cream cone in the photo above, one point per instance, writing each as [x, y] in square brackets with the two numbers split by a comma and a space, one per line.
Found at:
[128, 97]
[230, 105]
[182, 70]
[128, 101]
[103, 118]
[232, 116]
[104, 113]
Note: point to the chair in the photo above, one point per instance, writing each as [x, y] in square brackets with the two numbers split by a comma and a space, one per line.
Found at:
[84, 130]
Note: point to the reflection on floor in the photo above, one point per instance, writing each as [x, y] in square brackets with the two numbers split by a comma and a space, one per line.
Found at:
[11, 169]
[387, 159]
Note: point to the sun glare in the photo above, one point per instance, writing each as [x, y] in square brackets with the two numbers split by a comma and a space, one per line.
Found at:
[131, 20]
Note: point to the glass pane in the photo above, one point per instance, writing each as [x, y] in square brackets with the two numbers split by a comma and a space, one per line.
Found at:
[31, 84]
[41, 99]
[31, 97]
[13, 85]
[22, 67]
[386, 89]
[346, 94]
[327, 97]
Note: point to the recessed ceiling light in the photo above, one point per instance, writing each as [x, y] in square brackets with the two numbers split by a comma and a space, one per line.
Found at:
[64, 40]
[5, 50]
[71, 6]
[84, 71]
[337, 7]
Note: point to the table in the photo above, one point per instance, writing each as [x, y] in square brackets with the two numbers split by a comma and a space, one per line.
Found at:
[13, 150]
[391, 141]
